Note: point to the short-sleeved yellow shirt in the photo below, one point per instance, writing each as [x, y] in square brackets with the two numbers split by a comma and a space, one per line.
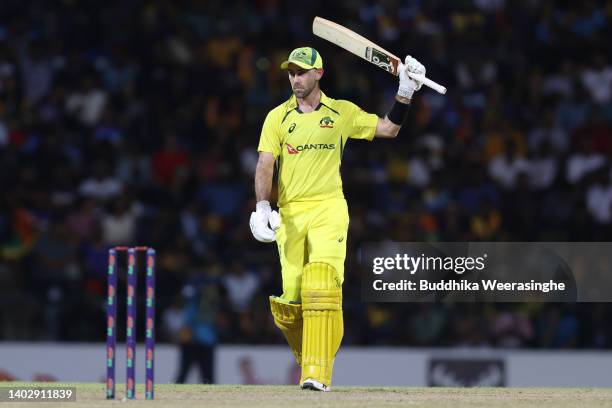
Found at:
[308, 146]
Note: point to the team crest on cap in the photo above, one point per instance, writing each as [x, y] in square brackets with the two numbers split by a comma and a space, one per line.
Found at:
[305, 57]
[299, 54]
[326, 122]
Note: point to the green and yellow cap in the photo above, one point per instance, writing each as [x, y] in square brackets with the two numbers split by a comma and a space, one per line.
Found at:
[304, 57]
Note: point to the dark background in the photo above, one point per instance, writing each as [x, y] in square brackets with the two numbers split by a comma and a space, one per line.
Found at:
[136, 122]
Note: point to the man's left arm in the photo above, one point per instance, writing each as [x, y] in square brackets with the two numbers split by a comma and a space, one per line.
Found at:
[389, 126]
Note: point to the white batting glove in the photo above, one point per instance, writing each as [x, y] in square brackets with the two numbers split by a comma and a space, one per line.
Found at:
[264, 222]
[407, 85]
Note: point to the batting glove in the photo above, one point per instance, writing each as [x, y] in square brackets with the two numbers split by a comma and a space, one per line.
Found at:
[408, 85]
[264, 222]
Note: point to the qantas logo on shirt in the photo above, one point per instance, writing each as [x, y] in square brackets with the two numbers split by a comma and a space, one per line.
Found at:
[319, 146]
[291, 149]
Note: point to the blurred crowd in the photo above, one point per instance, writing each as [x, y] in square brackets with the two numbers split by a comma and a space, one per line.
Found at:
[137, 122]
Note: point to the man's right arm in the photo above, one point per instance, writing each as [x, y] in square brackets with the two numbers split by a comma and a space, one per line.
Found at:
[264, 222]
[263, 176]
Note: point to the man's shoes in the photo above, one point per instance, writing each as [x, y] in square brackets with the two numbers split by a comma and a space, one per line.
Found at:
[314, 385]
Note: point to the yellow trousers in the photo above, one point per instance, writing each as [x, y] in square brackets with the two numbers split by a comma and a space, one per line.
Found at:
[311, 232]
[312, 249]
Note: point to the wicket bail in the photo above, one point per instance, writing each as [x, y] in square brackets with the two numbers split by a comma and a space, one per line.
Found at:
[111, 318]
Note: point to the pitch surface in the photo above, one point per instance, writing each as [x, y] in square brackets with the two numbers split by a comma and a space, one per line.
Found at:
[243, 396]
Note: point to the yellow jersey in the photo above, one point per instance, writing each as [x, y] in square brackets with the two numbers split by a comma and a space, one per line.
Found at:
[308, 147]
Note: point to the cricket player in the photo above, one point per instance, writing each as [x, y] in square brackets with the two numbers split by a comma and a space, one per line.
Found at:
[305, 137]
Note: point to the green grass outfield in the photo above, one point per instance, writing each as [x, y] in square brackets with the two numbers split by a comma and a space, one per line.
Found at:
[246, 396]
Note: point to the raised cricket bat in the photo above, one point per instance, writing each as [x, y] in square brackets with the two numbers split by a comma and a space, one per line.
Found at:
[366, 49]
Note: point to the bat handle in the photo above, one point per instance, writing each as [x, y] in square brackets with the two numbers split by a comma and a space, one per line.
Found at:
[428, 82]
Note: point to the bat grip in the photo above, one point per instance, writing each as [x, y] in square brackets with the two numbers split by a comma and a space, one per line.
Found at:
[427, 82]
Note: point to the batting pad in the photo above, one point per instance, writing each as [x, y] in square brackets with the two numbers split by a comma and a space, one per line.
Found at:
[323, 324]
[288, 318]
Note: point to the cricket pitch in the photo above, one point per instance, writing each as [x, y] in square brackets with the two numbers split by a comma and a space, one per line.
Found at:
[243, 396]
